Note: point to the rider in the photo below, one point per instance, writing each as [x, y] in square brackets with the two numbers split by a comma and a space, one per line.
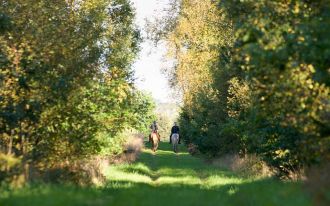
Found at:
[175, 130]
[154, 129]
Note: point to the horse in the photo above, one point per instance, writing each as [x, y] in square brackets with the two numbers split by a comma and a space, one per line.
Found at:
[175, 141]
[154, 137]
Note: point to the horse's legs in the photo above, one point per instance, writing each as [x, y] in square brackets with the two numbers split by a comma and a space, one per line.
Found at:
[176, 145]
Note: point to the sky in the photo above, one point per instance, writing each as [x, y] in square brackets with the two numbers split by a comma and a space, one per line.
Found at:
[148, 66]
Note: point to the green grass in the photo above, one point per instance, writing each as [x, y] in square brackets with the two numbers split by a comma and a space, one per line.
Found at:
[165, 178]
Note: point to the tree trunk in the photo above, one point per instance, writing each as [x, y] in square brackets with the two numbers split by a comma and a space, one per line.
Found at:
[10, 145]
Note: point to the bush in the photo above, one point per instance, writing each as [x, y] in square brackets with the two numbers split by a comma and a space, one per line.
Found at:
[247, 165]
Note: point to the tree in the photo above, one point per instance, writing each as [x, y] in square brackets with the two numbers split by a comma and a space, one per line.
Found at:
[66, 78]
[253, 77]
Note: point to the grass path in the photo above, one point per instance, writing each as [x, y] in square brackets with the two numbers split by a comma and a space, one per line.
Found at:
[166, 178]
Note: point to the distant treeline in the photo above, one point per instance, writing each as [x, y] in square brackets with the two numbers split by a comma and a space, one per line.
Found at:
[66, 83]
[255, 77]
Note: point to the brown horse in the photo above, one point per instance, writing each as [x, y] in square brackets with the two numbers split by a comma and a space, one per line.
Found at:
[154, 137]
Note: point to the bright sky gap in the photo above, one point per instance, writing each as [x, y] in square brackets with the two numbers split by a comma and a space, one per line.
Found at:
[148, 66]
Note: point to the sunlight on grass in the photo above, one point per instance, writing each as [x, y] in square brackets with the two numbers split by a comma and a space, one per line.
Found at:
[217, 181]
[181, 169]
[136, 168]
[163, 179]
[188, 180]
[166, 171]
[120, 185]
[114, 174]
[232, 190]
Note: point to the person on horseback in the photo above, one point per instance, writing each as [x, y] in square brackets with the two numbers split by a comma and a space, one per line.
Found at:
[154, 129]
[175, 130]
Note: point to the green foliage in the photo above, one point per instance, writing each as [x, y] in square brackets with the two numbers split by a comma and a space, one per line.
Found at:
[66, 83]
[166, 115]
[142, 108]
[111, 145]
[164, 126]
[10, 167]
[255, 78]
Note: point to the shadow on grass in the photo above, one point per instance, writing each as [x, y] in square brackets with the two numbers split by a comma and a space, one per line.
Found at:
[123, 193]
[181, 178]
[165, 178]
[166, 163]
[262, 192]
